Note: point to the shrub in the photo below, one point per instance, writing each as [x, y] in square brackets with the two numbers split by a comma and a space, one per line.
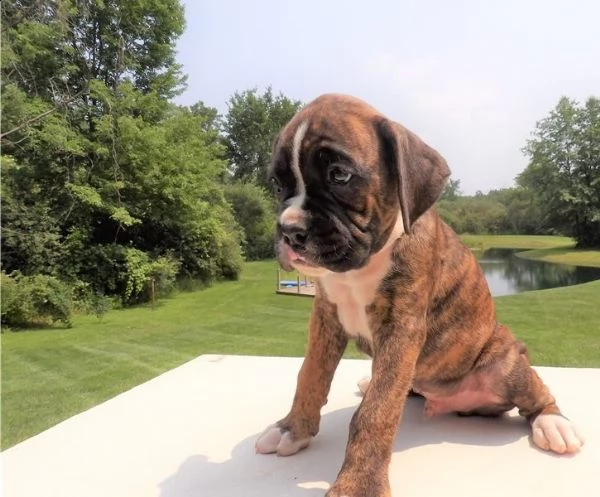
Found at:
[163, 271]
[141, 271]
[89, 302]
[254, 210]
[10, 295]
[35, 300]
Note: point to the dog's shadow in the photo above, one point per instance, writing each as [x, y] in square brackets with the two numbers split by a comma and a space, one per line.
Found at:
[308, 473]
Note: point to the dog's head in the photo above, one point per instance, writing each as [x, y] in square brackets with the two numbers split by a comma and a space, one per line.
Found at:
[346, 177]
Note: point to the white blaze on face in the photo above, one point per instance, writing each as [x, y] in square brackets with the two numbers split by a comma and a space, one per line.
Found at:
[293, 213]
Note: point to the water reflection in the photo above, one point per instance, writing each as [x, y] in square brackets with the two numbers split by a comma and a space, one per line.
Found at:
[508, 274]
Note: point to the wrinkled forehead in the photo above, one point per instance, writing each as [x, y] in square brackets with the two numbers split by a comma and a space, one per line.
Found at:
[345, 127]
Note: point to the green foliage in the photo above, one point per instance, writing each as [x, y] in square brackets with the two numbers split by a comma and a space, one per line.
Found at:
[564, 169]
[452, 190]
[34, 300]
[30, 233]
[137, 276]
[254, 210]
[508, 211]
[9, 296]
[523, 215]
[250, 126]
[163, 272]
[102, 176]
[475, 215]
[86, 301]
[141, 272]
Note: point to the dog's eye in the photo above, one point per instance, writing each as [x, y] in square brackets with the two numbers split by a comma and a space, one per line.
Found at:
[338, 176]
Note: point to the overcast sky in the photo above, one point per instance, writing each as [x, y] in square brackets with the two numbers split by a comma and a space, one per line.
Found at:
[470, 77]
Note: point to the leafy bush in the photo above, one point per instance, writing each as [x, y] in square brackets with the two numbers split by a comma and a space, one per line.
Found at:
[10, 295]
[137, 274]
[254, 211]
[34, 300]
[87, 301]
[141, 271]
[164, 272]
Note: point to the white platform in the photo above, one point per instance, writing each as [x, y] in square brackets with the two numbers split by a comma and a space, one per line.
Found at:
[191, 433]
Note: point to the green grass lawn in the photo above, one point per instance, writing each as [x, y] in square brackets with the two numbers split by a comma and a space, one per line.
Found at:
[483, 242]
[51, 374]
[565, 255]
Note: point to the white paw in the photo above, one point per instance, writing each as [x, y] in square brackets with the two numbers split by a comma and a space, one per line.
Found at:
[555, 433]
[363, 384]
[274, 440]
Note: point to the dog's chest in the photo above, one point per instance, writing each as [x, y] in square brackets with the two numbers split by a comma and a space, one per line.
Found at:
[352, 293]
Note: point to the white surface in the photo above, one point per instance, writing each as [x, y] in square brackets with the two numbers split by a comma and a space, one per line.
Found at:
[191, 432]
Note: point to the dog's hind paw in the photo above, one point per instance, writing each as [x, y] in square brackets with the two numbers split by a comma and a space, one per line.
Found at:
[274, 439]
[556, 433]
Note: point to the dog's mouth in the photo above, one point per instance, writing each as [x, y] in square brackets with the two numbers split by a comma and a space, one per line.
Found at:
[294, 258]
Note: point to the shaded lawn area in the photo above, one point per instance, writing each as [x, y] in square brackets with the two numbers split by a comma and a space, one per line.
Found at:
[51, 374]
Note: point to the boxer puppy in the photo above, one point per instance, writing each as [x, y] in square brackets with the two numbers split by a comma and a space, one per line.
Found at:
[356, 192]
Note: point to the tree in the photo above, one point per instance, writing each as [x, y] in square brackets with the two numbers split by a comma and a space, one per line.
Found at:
[564, 169]
[452, 190]
[98, 164]
[250, 126]
[523, 215]
[254, 210]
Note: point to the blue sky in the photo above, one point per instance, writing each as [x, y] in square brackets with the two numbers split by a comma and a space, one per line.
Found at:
[469, 77]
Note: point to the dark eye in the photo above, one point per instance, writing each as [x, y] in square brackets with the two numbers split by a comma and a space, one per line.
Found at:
[338, 176]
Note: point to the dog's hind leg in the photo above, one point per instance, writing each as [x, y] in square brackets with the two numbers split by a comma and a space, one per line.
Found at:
[525, 389]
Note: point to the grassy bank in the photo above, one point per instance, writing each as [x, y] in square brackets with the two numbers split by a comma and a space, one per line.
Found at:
[556, 249]
[568, 255]
[483, 242]
[49, 375]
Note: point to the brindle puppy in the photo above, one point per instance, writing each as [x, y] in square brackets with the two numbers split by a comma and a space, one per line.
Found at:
[355, 194]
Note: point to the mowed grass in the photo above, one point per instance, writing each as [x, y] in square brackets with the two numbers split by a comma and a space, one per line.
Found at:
[483, 242]
[561, 326]
[51, 374]
[562, 255]
[556, 249]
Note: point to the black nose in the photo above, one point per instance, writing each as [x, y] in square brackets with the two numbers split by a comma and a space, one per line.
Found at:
[295, 236]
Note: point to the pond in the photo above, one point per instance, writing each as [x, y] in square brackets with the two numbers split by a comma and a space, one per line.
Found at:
[508, 274]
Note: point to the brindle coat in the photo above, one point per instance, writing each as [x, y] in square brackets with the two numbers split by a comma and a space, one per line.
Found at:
[393, 276]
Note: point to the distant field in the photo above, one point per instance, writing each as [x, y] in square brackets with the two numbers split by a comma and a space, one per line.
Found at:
[482, 242]
[49, 375]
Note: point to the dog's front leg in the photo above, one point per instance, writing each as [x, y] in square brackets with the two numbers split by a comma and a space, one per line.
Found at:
[326, 344]
[374, 424]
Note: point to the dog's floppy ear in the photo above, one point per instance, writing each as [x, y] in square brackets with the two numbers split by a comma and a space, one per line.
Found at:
[421, 172]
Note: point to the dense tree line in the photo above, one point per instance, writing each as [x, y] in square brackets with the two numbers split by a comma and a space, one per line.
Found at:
[505, 211]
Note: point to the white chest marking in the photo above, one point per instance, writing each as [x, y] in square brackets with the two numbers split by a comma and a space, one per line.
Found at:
[354, 291]
[351, 295]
